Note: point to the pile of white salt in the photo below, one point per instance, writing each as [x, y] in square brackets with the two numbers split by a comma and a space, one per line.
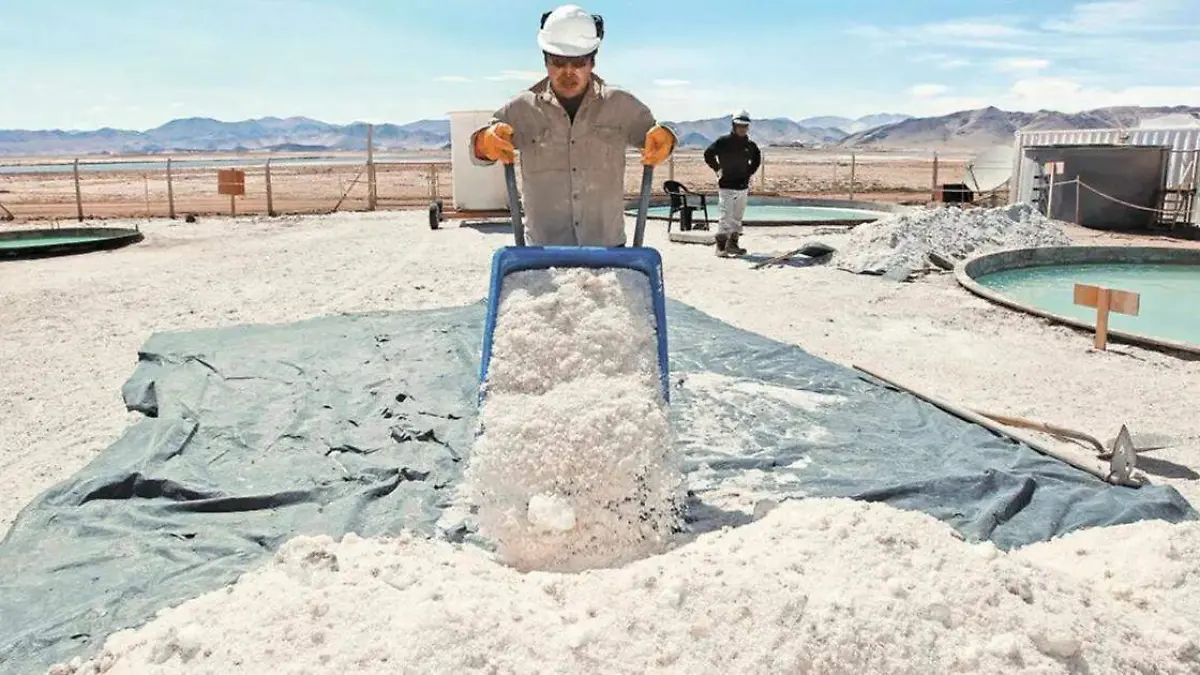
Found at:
[815, 586]
[900, 244]
[574, 467]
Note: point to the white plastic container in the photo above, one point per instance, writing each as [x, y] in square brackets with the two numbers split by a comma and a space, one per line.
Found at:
[476, 188]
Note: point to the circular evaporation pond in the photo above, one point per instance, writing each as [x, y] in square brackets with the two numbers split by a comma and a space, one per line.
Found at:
[45, 242]
[777, 213]
[23, 244]
[1168, 304]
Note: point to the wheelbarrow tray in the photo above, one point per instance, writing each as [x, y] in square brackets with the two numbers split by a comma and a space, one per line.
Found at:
[512, 259]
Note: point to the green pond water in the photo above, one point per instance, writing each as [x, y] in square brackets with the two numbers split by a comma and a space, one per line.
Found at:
[1170, 295]
[775, 213]
[44, 241]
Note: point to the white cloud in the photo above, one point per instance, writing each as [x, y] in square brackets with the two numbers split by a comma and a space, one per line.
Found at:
[523, 75]
[953, 64]
[671, 83]
[1073, 56]
[452, 78]
[1125, 16]
[927, 90]
[1080, 30]
[941, 60]
[1070, 95]
[1054, 93]
[995, 33]
[971, 30]
[1018, 64]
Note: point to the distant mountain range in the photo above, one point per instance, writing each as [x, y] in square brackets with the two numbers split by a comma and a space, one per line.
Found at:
[202, 134]
[782, 131]
[965, 129]
[969, 129]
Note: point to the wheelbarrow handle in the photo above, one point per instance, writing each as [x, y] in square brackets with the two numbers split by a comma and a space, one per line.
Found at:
[639, 230]
[514, 204]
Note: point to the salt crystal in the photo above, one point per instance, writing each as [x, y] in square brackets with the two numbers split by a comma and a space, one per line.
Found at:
[550, 513]
[896, 587]
[1005, 645]
[1057, 643]
[763, 506]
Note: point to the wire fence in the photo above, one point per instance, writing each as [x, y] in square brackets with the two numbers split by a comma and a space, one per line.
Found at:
[171, 187]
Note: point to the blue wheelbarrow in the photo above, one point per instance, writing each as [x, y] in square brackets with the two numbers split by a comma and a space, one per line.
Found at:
[520, 257]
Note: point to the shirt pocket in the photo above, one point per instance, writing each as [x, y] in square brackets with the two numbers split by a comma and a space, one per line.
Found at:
[605, 145]
[547, 152]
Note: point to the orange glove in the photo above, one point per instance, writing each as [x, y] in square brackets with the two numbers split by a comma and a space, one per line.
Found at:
[495, 143]
[659, 144]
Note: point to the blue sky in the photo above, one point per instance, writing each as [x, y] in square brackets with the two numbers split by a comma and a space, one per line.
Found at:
[82, 64]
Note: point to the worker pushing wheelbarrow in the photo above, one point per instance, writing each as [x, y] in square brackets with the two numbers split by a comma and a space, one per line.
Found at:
[572, 130]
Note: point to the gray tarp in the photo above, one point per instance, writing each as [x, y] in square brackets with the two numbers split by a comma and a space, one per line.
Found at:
[360, 423]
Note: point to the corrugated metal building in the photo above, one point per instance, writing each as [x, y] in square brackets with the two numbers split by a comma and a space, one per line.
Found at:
[1182, 167]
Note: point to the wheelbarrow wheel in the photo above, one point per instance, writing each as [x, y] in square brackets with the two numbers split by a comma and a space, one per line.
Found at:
[435, 215]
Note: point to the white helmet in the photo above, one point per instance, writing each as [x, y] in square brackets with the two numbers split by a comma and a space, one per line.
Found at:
[742, 118]
[570, 31]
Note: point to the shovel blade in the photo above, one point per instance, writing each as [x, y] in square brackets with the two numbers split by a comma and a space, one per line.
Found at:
[1124, 457]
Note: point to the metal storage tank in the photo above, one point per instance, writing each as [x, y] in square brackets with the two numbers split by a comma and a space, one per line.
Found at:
[475, 188]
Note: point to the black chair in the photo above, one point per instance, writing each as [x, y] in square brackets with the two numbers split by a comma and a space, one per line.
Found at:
[679, 193]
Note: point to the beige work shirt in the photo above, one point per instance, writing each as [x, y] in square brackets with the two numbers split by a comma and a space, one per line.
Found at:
[573, 174]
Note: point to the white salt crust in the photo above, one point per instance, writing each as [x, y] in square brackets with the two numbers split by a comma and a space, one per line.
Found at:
[815, 586]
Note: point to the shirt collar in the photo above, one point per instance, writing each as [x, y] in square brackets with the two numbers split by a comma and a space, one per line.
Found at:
[546, 93]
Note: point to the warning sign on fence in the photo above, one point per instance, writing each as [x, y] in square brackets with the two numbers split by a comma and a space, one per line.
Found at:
[231, 182]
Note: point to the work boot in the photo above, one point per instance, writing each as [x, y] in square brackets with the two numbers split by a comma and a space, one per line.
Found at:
[722, 242]
[732, 247]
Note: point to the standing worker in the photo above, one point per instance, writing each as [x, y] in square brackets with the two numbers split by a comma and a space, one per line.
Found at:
[735, 158]
[572, 130]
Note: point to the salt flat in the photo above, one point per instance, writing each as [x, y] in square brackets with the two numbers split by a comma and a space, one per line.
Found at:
[72, 327]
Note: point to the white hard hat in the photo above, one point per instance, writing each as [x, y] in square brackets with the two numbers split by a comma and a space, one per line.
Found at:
[742, 117]
[570, 31]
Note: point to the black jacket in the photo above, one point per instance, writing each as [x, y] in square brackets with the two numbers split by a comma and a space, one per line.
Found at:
[736, 157]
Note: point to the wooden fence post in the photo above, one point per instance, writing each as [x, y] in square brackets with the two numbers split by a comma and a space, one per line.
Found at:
[852, 167]
[78, 193]
[270, 200]
[170, 192]
[934, 191]
[372, 196]
[1077, 199]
